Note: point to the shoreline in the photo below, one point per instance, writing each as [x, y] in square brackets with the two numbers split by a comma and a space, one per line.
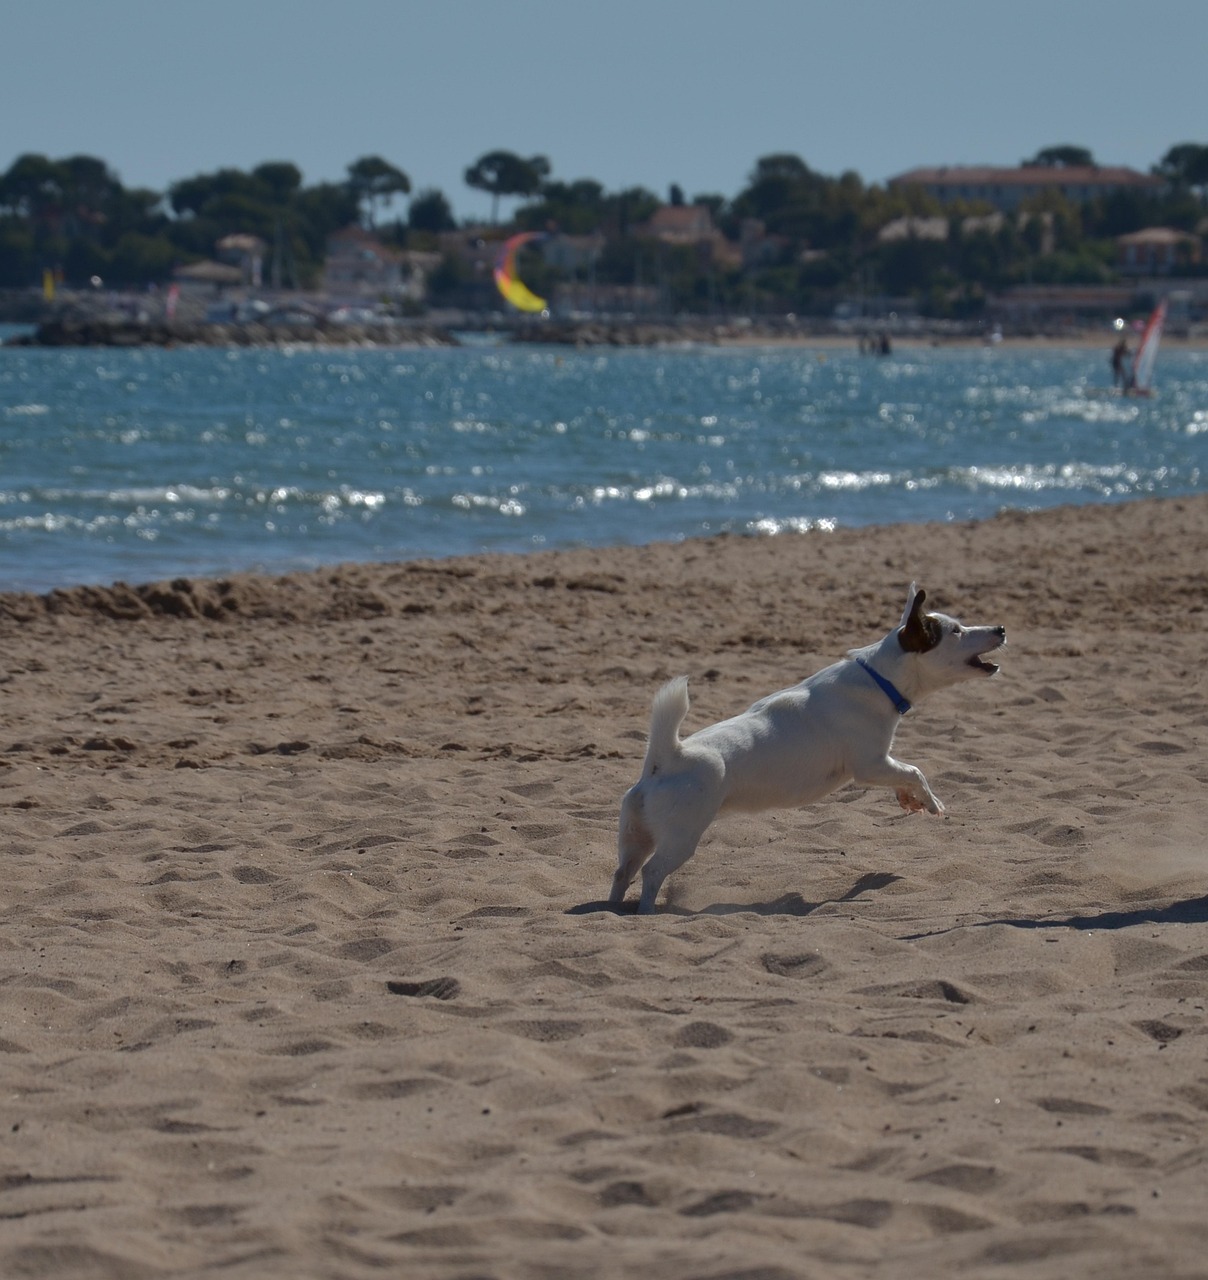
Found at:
[217, 595]
[214, 595]
[123, 332]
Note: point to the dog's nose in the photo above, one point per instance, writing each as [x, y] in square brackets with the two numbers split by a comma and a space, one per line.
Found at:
[1000, 632]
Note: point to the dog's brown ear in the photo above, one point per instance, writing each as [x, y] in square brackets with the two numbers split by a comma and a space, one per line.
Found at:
[918, 633]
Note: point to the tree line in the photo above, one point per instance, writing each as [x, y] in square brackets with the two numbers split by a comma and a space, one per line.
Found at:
[817, 234]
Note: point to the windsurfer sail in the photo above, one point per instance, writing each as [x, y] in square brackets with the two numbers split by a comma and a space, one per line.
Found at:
[508, 282]
[1140, 384]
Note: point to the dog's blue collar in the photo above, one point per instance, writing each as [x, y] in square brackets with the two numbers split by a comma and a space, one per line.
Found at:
[900, 704]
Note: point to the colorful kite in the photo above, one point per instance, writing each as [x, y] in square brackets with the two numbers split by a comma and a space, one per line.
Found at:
[506, 279]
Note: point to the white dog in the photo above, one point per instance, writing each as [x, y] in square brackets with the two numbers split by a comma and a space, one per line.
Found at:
[792, 747]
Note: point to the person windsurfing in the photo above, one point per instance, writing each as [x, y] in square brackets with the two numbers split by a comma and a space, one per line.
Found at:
[1121, 370]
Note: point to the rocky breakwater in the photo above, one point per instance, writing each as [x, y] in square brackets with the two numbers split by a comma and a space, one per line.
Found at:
[87, 331]
[634, 332]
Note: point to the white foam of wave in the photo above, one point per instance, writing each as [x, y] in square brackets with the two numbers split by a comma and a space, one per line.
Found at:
[769, 526]
[1112, 480]
[853, 481]
[659, 489]
[1105, 409]
[1107, 480]
[171, 494]
[504, 506]
[57, 522]
[150, 499]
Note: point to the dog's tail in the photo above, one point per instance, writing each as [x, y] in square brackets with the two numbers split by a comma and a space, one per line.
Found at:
[667, 714]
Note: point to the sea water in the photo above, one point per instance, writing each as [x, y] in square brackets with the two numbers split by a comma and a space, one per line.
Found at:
[143, 464]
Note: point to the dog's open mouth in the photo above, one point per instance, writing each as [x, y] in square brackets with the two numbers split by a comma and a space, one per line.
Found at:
[978, 662]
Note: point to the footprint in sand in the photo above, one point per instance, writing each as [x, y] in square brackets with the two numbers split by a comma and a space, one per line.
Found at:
[809, 965]
[1071, 1107]
[621, 1193]
[546, 1030]
[726, 1124]
[436, 988]
[702, 1035]
[391, 1090]
[975, 1178]
[365, 950]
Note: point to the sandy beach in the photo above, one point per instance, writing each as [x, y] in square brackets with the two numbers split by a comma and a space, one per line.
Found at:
[305, 972]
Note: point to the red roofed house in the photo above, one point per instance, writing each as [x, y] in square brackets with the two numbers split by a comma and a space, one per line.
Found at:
[681, 224]
[1156, 251]
[692, 224]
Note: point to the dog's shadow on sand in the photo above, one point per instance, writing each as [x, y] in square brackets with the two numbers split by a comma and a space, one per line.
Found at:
[1184, 911]
[788, 904]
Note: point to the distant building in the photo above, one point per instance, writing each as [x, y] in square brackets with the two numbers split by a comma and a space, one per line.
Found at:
[937, 227]
[681, 224]
[759, 248]
[1006, 189]
[913, 229]
[1057, 307]
[691, 225]
[607, 299]
[358, 263]
[476, 247]
[1156, 251]
[572, 254]
[245, 252]
[208, 274]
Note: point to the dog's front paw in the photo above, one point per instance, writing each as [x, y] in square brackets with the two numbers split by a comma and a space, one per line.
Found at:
[913, 804]
[909, 801]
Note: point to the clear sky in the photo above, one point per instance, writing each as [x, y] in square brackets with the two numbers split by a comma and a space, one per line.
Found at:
[628, 92]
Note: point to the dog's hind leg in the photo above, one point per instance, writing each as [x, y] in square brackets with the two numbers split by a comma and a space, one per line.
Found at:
[672, 853]
[634, 844]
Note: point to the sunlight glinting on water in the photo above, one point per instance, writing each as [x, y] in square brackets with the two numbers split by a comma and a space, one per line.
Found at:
[273, 459]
